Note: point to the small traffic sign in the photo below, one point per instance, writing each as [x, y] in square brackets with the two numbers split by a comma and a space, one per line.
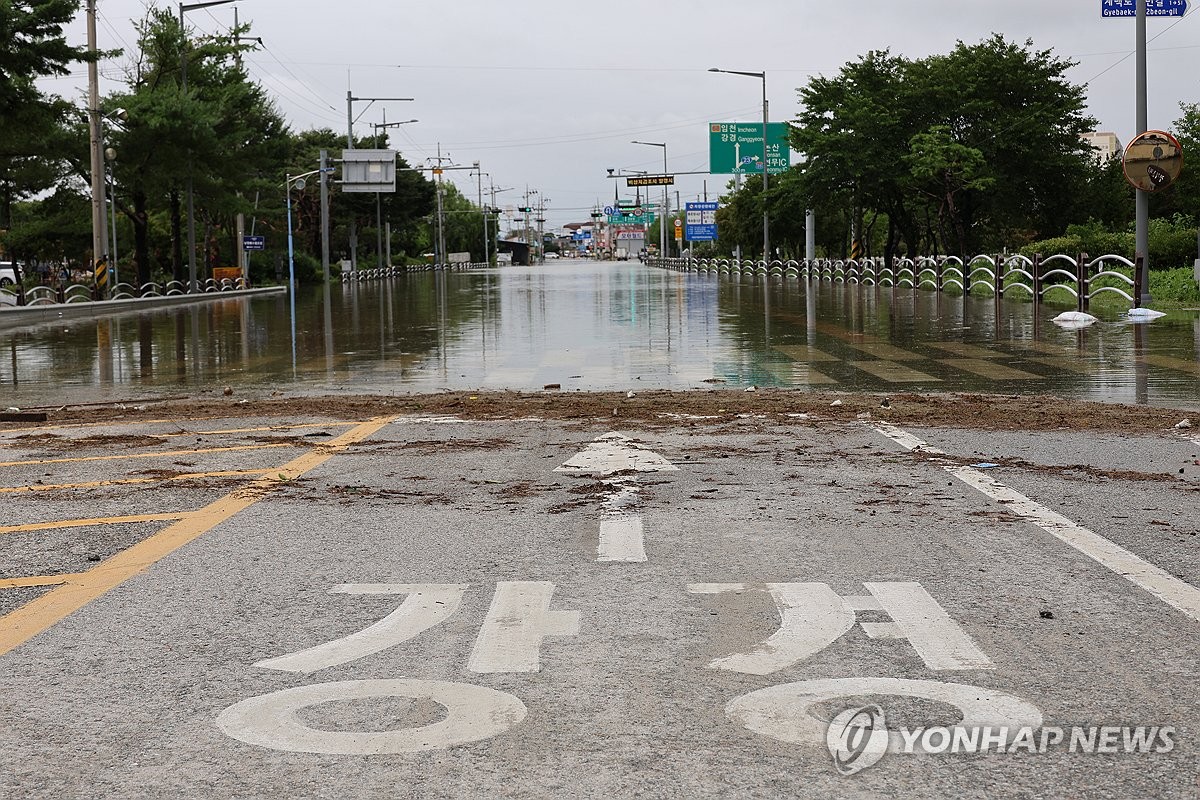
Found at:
[254, 242]
[678, 223]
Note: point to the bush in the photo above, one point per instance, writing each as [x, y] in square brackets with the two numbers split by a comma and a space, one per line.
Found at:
[1172, 243]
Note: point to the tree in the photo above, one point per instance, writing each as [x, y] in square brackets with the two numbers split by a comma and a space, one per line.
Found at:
[224, 129]
[985, 138]
[32, 125]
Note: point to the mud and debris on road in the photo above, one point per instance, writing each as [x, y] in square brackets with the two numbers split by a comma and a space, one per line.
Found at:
[972, 411]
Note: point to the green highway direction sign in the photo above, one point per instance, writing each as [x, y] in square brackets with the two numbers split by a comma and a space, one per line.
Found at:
[737, 148]
[646, 218]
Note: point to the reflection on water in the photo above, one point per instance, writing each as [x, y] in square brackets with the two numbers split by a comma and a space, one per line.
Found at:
[588, 325]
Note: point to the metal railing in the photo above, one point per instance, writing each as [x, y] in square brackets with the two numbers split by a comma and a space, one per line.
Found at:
[384, 273]
[86, 293]
[1081, 278]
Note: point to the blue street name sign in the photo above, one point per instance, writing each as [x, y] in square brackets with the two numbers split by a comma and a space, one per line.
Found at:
[254, 242]
[1154, 8]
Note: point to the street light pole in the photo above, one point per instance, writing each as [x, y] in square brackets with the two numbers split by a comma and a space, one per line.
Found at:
[666, 208]
[191, 210]
[1141, 198]
[766, 125]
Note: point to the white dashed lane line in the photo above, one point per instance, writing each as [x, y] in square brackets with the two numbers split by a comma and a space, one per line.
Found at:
[1166, 587]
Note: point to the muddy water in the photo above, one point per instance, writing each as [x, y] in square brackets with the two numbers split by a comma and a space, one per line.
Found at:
[587, 325]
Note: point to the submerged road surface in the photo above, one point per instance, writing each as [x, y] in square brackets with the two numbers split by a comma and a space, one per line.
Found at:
[427, 606]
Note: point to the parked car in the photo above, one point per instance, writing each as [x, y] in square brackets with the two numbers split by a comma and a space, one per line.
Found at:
[8, 274]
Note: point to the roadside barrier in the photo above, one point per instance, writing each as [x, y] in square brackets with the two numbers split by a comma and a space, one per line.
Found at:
[384, 273]
[85, 292]
[1001, 275]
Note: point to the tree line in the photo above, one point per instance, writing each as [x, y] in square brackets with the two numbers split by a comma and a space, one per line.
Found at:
[224, 131]
[978, 150]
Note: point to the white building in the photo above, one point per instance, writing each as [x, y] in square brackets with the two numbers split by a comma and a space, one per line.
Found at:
[1105, 143]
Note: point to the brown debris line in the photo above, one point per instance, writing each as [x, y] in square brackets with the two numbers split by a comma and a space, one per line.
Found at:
[435, 445]
[976, 411]
[522, 489]
[53, 440]
[1063, 470]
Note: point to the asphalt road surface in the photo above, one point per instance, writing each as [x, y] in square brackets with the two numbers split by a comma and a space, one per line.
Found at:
[421, 606]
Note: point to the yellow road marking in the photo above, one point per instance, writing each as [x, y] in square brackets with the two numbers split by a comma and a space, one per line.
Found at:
[155, 454]
[268, 428]
[83, 523]
[36, 580]
[186, 476]
[40, 614]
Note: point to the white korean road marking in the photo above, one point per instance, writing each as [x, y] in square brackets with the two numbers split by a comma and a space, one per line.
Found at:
[622, 535]
[473, 713]
[917, 617]
[813, 616]
[786, 712]
[517, 621]
[1154, 580]
[622, 539]
[425, 606]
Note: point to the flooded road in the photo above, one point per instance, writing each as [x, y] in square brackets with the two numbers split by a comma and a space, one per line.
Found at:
[588, 326]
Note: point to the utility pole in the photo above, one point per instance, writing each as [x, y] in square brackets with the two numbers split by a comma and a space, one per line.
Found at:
[350, 101]
[479, 177]
[99, 223]
[325, 215]
[440, 245]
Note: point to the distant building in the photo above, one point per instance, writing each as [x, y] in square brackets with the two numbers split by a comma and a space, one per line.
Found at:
[1105, 143]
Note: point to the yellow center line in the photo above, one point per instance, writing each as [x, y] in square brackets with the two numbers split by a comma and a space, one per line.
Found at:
[41, 613]
[264, 429]
[37, 580]
[186, 476]
[155, 454]
[83, 523]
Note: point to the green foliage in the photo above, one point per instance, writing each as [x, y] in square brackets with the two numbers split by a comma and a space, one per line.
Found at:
[1172, 243]
[962, 152]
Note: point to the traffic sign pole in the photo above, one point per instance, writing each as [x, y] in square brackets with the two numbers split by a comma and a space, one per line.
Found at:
[1142, 201]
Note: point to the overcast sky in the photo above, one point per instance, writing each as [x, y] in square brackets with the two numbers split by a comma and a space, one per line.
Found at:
[549, 93]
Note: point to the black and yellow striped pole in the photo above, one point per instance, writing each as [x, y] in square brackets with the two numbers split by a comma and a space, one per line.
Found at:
[856, 250]
[100, 274]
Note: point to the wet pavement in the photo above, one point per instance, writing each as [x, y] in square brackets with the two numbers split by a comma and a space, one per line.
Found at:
[593, 326]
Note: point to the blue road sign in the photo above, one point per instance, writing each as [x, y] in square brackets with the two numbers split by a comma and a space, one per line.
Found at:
[254, 242]
[701, 222]
[1154, 8]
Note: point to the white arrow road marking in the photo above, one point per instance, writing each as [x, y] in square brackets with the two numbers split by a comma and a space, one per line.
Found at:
[622, 535]
[622, 539]
[613, 452]
[1161, 584]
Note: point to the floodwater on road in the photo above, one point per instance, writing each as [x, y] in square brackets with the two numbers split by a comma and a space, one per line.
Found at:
[600, 326]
